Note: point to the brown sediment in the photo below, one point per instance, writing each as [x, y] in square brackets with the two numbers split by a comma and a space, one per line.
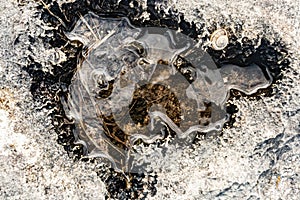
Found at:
[7, 101]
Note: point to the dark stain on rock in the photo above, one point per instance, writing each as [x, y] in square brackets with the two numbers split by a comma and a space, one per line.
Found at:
[49, 88]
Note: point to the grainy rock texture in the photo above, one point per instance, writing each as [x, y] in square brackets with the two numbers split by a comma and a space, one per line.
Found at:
[257, 158]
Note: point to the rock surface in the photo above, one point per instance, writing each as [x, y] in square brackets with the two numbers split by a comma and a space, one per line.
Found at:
[258, 158]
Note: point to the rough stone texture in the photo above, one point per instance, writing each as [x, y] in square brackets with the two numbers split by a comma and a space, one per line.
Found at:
[33, 165]
[258, 158]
